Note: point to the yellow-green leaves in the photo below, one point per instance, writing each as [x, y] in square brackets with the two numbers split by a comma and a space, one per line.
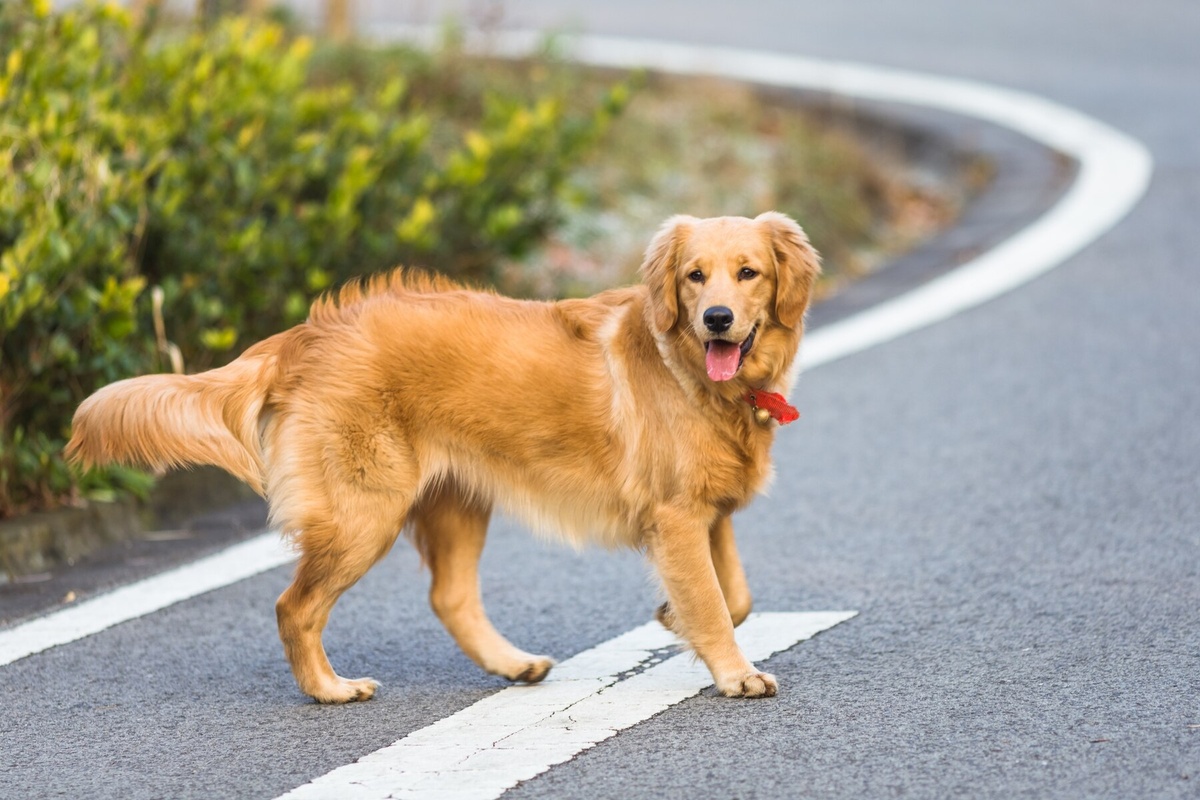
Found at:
[415, 228]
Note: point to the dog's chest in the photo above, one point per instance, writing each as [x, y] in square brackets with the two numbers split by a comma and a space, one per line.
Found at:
[736, 468]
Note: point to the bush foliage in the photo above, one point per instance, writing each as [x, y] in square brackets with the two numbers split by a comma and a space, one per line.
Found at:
[208, 167]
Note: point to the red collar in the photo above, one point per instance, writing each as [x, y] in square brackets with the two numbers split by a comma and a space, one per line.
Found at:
[774, 404]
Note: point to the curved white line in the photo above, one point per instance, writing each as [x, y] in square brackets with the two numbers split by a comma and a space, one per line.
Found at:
[1114, 169]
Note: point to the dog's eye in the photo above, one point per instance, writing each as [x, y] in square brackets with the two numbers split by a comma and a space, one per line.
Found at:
[747, 274]
[696, 276]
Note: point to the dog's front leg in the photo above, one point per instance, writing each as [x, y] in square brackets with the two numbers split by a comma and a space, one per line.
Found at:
[680, 546]
[729, 573]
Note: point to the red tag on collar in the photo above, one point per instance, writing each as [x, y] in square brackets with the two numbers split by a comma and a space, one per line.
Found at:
[775, 404]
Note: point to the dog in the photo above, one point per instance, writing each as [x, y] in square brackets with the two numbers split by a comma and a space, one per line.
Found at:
[409, 403]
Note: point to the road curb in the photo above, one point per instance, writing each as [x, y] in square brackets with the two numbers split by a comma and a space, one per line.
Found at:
[1027, 179]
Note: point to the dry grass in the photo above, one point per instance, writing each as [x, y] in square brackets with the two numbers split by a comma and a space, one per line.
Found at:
[710, 147]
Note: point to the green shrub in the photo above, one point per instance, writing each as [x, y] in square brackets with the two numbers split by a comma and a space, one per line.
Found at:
[207, 163]
[69, 205]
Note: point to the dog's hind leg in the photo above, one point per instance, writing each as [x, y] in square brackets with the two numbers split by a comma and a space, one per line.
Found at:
[729, 570]
[729, 573]
[449, 530]
[333, 557]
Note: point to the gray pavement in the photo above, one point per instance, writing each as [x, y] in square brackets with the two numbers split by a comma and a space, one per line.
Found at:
[1009, 498]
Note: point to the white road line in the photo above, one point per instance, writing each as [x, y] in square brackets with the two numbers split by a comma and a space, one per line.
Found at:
[1114, 169]
[144, 597]
[1114, 173]
[520, 732]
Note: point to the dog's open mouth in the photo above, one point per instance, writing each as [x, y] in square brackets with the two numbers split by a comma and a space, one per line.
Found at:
[723, 359]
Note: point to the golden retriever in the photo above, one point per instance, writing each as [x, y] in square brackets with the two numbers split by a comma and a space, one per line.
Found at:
[630, 418]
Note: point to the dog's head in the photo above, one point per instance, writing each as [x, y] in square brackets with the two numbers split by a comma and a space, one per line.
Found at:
[734, 290]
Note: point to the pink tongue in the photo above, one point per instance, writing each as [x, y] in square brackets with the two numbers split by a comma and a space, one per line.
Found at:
[721, 360]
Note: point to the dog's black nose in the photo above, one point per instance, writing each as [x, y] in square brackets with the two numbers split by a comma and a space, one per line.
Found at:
[718, 319]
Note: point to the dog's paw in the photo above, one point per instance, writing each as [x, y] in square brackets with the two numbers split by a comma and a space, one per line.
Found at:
[750, 684]
[533, 671]
[347, 691]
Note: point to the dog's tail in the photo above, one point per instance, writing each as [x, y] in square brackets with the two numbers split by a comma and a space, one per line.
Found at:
[165, 421]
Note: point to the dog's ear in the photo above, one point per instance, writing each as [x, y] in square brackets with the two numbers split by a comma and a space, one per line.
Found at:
[797, 266]
[660, 268]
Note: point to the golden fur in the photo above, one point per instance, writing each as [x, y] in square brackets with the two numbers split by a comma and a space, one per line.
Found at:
[411, 401]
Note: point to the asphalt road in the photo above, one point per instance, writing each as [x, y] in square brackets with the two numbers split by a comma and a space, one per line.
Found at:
[1009, 499]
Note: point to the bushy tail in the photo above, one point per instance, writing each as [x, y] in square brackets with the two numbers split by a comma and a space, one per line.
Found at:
[165, 421]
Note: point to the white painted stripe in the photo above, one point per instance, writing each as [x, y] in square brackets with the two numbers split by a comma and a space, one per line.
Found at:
[1114, 169]
[144, 597]
[520, 732]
